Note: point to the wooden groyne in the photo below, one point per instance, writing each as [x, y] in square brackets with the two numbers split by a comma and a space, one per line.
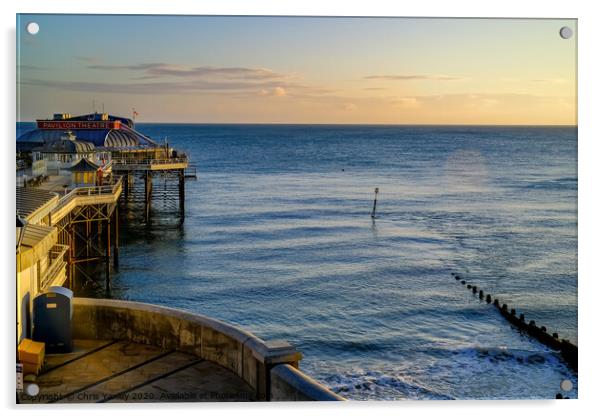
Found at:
[567, 349]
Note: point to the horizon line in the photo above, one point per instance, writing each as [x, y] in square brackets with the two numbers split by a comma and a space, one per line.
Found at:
[350, 124]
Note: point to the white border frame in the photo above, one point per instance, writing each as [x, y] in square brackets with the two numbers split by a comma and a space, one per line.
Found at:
[589, 74]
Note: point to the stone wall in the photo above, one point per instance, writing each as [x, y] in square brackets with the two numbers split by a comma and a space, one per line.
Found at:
[290, 384]
[237, 350]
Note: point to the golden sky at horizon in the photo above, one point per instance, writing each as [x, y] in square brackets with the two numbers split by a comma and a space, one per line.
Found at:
[300, 70]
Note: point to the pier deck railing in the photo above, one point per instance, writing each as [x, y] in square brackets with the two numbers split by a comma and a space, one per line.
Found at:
[109, 191]
[108, 165]
[150, 160]
[150, 164]
[57, 263]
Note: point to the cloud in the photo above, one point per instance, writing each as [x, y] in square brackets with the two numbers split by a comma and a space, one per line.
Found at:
[549, 80]
[557, 80]
[32, 67]
[275, 92]
[407, 77]
[493, 105]
[86, 59]
[163, 78]
[158, 70]
[168, 87]
[406, 102]
[349, 107]
[279, 92]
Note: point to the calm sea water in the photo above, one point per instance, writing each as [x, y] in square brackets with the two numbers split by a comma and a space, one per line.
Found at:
[278, 239]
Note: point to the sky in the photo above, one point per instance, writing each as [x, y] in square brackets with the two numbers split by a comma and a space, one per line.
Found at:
[209, 69]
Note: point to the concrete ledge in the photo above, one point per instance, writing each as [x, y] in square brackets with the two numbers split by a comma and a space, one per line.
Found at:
[239, 351]
[289, 384]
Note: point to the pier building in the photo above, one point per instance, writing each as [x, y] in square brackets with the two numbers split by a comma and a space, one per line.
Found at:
[63, 141]
[66, 151]
[87, 167]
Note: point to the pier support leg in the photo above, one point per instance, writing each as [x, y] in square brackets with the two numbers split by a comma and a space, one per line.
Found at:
[71, 261]
[182, 191]
[88, 234]
[126, 186]
[99, 235]
[116, 241]
[108, 256]
[148, 193]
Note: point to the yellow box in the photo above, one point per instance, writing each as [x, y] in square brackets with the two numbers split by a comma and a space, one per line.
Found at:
[29, 368]
[31, 352]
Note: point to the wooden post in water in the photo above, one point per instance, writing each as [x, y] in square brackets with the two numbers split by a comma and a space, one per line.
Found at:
[374, 207]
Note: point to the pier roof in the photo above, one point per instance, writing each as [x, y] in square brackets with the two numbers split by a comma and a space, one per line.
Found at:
[28, 146]
[123, 137]
[84, 165]
[66, 146]
[99, 117]
[30, 200]
[37, 241]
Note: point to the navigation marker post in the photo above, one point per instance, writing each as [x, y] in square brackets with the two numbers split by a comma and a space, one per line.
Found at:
[374, 207]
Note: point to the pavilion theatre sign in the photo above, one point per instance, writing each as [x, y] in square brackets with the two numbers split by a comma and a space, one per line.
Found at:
[78, 124]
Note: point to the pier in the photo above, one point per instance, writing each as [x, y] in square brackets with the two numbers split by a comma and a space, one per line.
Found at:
[161, 179]
[86, 223]
[84, 171]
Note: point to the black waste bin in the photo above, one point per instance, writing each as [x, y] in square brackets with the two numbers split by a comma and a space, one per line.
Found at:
[52, 313]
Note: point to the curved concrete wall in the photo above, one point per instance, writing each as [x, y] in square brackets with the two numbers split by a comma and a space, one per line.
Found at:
[290, 384]
[237, 350]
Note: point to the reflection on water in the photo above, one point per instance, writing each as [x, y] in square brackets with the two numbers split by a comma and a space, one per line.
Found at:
[278, 239]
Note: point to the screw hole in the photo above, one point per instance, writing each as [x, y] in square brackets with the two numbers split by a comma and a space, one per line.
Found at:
[33, 28]
[566, 32]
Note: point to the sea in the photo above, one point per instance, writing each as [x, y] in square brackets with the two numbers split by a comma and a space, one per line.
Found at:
[278, 239]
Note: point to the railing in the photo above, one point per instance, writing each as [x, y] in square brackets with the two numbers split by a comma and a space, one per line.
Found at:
[106, 189]
[107, 165]
[150, 161]
[190, 172]
[31, 181]
[57, 262]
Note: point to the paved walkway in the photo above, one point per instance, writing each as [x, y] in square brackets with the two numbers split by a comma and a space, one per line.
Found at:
[118, 371]
[56, 184]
